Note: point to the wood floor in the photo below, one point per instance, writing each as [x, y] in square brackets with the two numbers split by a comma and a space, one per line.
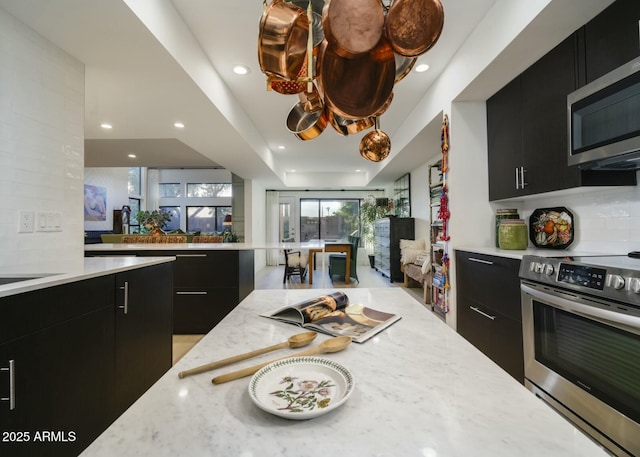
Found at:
[271, 278]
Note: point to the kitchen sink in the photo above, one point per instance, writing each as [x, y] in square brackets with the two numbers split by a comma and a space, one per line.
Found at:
[12, 279]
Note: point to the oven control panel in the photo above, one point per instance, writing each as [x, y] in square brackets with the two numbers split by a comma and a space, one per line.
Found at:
[604, 280]
[583, 275]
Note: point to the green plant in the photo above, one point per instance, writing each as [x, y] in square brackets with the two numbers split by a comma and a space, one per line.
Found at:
[152, 219]
[369, 212]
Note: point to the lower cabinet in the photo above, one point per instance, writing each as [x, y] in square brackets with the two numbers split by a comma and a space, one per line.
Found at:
[68, 359]
[143, 329]
[488, 308]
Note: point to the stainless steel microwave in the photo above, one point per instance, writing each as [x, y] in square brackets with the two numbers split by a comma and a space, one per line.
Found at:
[604, 121]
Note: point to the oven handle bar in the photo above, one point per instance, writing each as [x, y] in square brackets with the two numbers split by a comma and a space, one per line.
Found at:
[619, 320]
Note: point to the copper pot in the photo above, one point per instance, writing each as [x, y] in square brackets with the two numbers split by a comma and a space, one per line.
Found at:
[414, 26]
[282, 41]
[356, 88]
[375, 145]
[349, 126]
[352, 27]
[403, 66]
[304, 125]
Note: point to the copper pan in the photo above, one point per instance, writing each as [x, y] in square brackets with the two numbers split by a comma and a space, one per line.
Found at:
[282, 41]
[306, 126]
[356, 88]
[375, 146]
[404, 65]
[414, 26]
[348, 126]
[352, 27]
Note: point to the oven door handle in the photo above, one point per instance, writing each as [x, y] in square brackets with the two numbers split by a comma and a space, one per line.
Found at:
[617, 319]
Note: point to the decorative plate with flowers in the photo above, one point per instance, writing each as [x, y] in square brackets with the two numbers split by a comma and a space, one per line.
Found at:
[551, 228]
[301, 387]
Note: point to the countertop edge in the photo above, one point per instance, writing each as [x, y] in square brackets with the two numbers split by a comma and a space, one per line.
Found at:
[93, 268]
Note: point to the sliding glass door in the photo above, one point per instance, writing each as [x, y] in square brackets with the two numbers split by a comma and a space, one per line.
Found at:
[329, 219]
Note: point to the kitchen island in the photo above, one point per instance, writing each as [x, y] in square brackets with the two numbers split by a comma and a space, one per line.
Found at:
[420, 390]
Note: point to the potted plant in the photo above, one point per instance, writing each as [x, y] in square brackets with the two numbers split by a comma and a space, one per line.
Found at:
[370, 210]
[153, 221]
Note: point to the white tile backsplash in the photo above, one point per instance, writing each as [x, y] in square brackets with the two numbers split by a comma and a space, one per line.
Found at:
[606, 220]
[41, 148]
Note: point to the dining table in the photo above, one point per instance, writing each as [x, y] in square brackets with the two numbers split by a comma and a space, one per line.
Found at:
[418, 388]
[330, 246]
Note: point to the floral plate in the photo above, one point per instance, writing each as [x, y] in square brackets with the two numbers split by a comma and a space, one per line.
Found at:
[301, 387]
[551, 228]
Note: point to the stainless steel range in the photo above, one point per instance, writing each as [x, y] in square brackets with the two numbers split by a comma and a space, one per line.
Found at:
[581, 325]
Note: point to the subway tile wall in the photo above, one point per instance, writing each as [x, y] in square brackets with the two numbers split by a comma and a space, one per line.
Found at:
[41, 150]
[606, 221]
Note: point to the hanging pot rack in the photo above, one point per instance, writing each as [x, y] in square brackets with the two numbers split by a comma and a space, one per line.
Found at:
[343, 58]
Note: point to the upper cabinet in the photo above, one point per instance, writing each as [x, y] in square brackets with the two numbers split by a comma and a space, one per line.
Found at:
[611, 39]
[527, 118]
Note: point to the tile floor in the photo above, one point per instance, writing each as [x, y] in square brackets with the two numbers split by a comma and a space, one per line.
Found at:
[271, 278]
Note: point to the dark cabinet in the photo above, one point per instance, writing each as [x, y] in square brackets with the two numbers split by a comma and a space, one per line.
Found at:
[57, 344]
[488, 308]
[143, 329]
[527, 131]
[72, 360]
[611, 39]
[208, 285]
[388, 231]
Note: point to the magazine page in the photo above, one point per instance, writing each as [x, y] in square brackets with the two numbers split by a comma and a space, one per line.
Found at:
[356, 321]
[334, 315]
[311, 310]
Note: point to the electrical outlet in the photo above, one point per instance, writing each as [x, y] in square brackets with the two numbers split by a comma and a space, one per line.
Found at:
[26, 221]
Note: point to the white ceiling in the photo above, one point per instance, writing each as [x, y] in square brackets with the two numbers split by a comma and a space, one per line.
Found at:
[151, 63]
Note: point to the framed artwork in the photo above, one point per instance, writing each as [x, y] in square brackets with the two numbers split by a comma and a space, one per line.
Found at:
[95, 203]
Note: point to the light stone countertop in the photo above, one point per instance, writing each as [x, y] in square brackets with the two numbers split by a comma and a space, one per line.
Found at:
[92, 268]
[420, 390]
[517, 254]
[114, 247]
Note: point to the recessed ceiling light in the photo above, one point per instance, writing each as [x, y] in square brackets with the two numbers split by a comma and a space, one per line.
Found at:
[240, 69]
[131, 156]
[292, 171]
[358, 171]
[106, 126]
[281, 147]
[179, 125]
[422, 68]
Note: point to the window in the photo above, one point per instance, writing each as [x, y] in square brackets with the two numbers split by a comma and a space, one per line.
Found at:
[328, 219]
[135, 181]
[169, 190]
[209, 190]
[134, 204]
[206, 219]
[174, 223]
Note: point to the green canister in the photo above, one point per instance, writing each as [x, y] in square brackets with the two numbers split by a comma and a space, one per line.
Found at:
[502, 214]
[512, 234]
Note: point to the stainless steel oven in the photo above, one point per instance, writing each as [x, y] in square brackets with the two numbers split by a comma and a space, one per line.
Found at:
[581, 326]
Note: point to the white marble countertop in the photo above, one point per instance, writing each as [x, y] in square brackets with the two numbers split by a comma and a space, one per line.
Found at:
[113, 247]
[420, 390]
[92, 268]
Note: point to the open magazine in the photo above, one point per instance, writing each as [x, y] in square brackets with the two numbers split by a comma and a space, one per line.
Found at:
[333, 314]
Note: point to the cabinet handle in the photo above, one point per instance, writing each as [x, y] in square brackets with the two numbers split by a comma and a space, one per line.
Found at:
[477, 310]
[191, 293]
[522, 181]
[125, 307]
[517, 179]
[12, 384]
[191, 255]
[486, 262]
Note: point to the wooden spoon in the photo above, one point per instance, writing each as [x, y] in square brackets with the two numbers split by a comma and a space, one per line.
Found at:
[334, 344]
[295, 341]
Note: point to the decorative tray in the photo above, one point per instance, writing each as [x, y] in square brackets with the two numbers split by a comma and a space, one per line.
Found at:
[551, 228]
[301, 387]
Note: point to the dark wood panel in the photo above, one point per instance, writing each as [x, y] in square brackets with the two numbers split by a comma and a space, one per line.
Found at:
[52, 306]
[64, 379]
[199, 313]
[612, 38]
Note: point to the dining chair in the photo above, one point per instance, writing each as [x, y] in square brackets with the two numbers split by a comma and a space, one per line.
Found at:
[295, 263]
[338, 262]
